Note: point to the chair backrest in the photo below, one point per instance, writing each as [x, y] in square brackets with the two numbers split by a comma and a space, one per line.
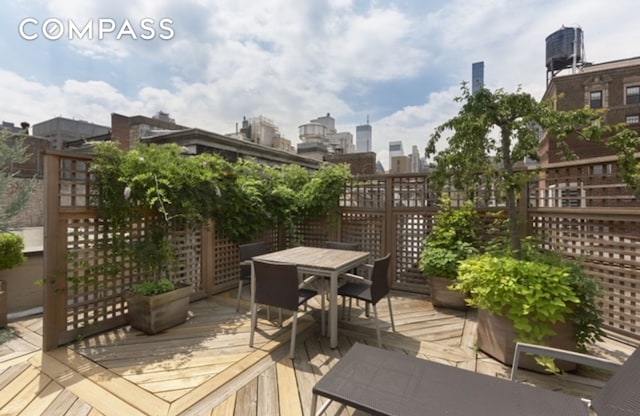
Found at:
[276, 284]
[620, 396]
[342, 246]
[247, 251]
[380, 278]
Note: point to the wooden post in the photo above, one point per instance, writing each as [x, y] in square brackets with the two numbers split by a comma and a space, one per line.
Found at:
[54, 296]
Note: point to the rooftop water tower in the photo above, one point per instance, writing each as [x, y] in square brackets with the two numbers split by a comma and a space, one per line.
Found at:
[565, 49]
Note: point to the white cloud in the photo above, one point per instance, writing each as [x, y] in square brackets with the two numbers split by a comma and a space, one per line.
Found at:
[294, 61]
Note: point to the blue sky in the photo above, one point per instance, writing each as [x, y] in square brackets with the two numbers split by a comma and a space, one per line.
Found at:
[399, 62]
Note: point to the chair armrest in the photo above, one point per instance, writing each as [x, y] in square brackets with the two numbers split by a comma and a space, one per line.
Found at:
[358, 279]
[560, 354]
[307, 281]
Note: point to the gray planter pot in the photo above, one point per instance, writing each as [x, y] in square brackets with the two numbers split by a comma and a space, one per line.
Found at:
[153, 314]
[442, 296]
[497, 338]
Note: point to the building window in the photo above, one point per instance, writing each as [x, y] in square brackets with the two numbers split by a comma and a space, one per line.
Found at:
[595, 99]
[633, 119]
[633, 94]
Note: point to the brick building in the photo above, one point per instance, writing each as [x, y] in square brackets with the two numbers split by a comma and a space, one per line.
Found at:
[611, 86]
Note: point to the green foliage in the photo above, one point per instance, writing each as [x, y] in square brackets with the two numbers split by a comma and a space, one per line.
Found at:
[169, 190]
[11, 248]
[151, 288]
[13, 194]
[452, 239]
[534, 292]
[492, 132]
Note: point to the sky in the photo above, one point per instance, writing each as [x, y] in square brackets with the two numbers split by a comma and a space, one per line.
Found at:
[209, 63]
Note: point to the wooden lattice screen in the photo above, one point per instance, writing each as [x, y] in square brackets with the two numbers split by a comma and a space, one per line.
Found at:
[580, 208]
[84, 276]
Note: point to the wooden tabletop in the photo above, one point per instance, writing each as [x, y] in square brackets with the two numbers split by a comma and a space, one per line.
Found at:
[317, 258]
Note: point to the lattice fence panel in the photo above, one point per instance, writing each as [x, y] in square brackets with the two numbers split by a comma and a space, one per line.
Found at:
[312, 233]
[413, 191]
[364, 193]
[410, 231]
[609, 244]
[366, 229]
[93, 289]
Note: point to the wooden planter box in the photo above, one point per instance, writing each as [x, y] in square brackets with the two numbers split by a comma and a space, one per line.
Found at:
[152, 314]
[3, 303]
[442, 296]
[497, 338]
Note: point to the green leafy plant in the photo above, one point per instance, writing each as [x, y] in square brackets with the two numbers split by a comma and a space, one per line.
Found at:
[11, 248]
[452, 239]
[151, 288]
[534, 292]
[165, 190]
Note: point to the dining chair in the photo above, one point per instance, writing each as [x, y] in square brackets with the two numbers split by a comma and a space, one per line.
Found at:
[247, 251]
[339, 245]
[276, 284]
[370, 290]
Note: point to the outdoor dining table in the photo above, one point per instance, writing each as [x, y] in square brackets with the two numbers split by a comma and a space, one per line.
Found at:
[326, 262]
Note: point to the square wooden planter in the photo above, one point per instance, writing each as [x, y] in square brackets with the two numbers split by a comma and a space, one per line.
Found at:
[497, 338]
[153, 314]
[442, 296]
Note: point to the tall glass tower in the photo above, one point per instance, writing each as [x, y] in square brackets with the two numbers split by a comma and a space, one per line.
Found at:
[363, 137]
[477, 76]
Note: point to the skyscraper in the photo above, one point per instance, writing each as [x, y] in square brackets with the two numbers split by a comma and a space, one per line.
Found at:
[477, 76]
[395, 149]
[363, 137]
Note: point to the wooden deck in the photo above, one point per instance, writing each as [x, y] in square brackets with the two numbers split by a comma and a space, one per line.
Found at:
[205, 367]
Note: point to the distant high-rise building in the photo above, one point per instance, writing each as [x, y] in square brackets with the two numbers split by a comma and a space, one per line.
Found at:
[363, 137]
[417, 161]
[395, 149]
[477, 76]
[320, 137]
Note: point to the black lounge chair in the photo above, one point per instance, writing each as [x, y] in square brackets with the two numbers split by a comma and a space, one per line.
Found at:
[384, 382]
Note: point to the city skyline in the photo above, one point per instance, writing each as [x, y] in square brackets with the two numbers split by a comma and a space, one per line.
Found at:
[399, 62]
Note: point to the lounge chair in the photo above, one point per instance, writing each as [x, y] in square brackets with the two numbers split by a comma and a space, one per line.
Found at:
[384, 382]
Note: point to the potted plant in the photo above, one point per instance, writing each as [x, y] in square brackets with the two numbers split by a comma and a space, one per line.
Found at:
[11, 249]
[452, 239]
[162, 191]
[539, 298]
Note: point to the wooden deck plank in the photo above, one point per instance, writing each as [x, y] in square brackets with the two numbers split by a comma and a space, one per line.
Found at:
[17, 384]
[47, 391]
[62, 404]
[268, 392]
[226, 408]
[111, 382]
[260, 354]
[103, 374]
[288, 395]
[10, 373]
[246, 403]
[91, 392]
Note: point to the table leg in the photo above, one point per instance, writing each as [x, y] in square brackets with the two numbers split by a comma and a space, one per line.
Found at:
[333, 310]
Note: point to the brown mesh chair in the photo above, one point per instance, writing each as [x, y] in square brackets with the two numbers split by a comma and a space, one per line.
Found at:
[338, 245]
[276, 284]
[247, 251]
[371, 290]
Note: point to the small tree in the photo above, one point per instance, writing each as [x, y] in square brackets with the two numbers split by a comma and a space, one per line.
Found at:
[496, 130]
